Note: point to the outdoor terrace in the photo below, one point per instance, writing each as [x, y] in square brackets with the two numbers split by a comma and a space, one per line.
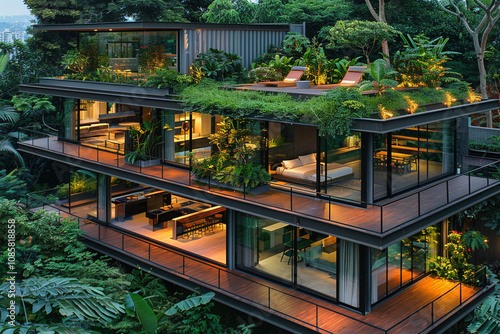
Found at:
[377, 219]
[419, 308]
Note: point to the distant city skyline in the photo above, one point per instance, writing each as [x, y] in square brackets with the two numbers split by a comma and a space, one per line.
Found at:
[15, 7]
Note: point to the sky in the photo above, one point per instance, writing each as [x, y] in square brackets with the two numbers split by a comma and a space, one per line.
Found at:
[14, 7]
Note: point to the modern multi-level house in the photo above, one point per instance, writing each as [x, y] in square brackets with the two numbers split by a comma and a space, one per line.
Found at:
[339, 241]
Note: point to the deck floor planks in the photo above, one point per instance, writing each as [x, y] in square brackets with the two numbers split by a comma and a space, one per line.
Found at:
[397, 211]
[292, 303]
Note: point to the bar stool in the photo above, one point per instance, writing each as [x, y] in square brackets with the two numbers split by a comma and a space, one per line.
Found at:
[218, 219]
[188, 230]
[198, 228]
[209, 224]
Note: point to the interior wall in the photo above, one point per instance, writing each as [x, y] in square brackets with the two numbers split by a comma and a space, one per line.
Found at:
[305, 139]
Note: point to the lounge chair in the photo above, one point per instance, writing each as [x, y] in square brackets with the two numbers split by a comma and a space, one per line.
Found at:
[352, 77]
[294, 75]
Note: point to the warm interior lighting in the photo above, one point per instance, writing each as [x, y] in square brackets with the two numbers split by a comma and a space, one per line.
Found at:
[384, 113]
[95, 29]
[110, 29]
[473, 96]
[412, 105]
[449, 99]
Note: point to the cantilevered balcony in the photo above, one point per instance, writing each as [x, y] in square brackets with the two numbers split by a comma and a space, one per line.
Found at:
[378, 224]
[421, 307]
[428, 305]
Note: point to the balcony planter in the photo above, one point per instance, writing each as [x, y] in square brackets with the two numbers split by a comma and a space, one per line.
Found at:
[144, 163]
[254, 191]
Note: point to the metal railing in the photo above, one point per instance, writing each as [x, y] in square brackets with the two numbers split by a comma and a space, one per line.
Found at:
[453, 188]
[427, 315]
[310, 315]
[381, 218]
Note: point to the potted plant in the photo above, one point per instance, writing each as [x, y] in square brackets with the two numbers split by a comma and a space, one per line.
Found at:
[144, 141]
[234, 166]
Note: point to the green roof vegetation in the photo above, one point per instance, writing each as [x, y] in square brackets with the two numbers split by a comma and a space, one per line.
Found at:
[332, 112]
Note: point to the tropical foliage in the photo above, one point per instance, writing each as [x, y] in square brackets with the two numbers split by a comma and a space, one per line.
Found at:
[58, 304]
[459, 249]
[219, 65]
[421, 63]
[239, 104]
[166, 78]
[486, 318]
[236, 162]
[144, 141]
[361, 36]
[151, 57]
[381, 78]
[85, 62]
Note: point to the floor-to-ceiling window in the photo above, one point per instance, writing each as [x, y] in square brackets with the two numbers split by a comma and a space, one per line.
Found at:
[295, 256]
[403, 262]
[380, 157]
[294, 160]
[130, 52]
[265, 245]
[413, 156]
[341, 166]
[68, 118]
[188, 132]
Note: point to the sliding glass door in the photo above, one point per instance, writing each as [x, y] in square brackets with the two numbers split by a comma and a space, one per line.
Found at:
[300, 258]
[403, 262]
[412, 157]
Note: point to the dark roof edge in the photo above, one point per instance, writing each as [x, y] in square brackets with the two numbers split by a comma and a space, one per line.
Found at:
[402, 122]
[146, 25]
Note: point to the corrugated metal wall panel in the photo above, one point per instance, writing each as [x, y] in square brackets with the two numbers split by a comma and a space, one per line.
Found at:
[247, 44]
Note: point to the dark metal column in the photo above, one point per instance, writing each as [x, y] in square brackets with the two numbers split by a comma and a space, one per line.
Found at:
[230, 217]
[367, 167]
[365, 276]
[318, 163]
[104, 198]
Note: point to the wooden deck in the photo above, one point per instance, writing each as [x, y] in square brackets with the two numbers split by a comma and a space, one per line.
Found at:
[414, 310]
[375, 218]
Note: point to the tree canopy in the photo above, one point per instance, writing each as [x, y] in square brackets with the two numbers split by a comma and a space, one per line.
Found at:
[361, 36]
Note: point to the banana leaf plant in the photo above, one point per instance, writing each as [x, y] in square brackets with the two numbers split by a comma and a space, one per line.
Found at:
[145, 139]
[152, 323]
[381, 77]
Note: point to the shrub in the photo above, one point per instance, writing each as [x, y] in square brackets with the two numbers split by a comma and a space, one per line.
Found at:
[219, 65]
[260, 74]
[421, 63]
[166, 78]
[151, 57]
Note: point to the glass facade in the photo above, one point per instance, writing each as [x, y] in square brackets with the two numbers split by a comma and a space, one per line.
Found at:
[190, 134]
[341, 167]
[403, 262]
[412, 157]
[132, 51]
[294, 256]
[68, 118]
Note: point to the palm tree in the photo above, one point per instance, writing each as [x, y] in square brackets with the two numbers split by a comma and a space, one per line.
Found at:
[8, 116]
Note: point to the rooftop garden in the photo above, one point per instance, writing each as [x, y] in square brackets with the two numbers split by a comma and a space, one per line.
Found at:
[414, 78]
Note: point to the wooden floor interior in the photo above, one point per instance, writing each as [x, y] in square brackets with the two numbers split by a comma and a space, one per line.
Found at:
[211, 245]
